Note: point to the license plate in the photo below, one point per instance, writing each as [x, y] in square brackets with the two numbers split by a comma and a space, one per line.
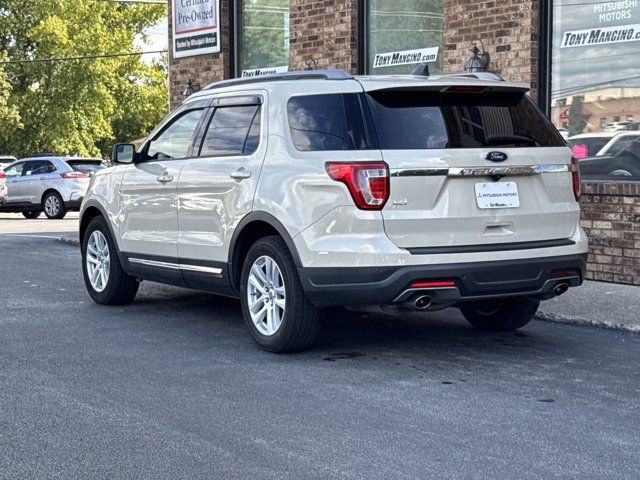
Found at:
[497, 195]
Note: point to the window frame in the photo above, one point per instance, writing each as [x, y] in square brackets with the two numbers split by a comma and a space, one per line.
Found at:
[51, 164]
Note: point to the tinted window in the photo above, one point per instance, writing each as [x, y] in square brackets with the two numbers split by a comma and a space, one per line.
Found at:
[232, 131]
[406, 119]
[624, 165]
[587, 146]
[327, 122]
[38, 167]
[85, 166]
[175, 140]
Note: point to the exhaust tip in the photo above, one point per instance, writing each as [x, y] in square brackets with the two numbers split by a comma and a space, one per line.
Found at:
[423, 302]
[560, 289]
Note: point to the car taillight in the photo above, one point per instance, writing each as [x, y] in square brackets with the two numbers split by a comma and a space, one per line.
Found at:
[3, 175]
[368, 182]
[575, 178]
[74, 175]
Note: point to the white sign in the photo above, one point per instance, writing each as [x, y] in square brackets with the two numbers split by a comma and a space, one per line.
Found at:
[196, 28]
[600, 36]
[406, 57]
[497, 195]
[258, 72]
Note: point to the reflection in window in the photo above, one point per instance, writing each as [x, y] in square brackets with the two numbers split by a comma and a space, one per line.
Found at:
[263, 34]
[400, 25]
[175, 140]
[232, 131]
[595, 85]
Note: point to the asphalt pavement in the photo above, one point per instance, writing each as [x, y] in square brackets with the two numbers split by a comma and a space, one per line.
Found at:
[172, 386]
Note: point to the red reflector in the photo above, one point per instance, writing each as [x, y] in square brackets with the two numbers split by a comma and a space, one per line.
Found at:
[465, 89]
[74, 175]
[433, 283]
[367, 182]
[563, 273]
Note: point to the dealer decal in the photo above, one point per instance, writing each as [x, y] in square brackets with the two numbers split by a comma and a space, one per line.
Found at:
[406, 57]
[600, 36]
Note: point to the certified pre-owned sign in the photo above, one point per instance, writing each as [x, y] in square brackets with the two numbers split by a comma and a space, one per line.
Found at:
[406, 57]
[600, 36]
[195, 27]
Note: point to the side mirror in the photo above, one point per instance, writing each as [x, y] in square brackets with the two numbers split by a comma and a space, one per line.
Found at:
[123, 153]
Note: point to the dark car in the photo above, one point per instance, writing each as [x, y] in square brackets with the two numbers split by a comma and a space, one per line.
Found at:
[622, 165]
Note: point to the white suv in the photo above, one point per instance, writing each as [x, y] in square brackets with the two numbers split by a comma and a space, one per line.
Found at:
[306, 190]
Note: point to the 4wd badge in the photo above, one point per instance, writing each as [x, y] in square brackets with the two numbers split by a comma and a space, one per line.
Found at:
[496, 156]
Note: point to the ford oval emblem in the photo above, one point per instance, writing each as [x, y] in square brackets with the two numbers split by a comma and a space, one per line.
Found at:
[496, 156]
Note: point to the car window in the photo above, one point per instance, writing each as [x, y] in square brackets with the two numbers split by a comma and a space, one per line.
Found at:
[621, 144]
[176, 139]
[14, 170]
[233, 130]
[85, 166]
[327, 122]
[587, 146]
[38, 167]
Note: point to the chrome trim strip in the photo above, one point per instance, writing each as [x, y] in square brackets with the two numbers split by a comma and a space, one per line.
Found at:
[175, 266]
[527, 170]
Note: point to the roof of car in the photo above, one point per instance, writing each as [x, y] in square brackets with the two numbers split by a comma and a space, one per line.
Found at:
[594, 135]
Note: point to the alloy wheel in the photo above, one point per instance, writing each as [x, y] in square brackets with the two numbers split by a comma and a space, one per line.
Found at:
[266, 295]
[52, 206]
[98, 261]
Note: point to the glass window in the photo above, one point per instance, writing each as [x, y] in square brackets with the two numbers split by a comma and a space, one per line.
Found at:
[15, 170]
[595, 82]
[86, 166]
[430, 120]
[176, 139]
[263, 34]
[38, 167]
[326, 122]
[232, 131]
[402, 33]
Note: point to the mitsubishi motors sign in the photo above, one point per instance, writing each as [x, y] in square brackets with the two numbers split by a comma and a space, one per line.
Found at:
[196, 29]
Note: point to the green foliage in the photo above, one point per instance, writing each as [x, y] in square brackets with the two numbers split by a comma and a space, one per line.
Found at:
[80, 106]
[264, 25]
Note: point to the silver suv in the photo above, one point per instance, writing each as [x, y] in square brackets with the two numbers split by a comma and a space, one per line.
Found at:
[53, 184]
[307, 190]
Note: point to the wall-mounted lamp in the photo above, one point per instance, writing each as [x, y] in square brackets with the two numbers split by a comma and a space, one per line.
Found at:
[478, 62]
[192, 85]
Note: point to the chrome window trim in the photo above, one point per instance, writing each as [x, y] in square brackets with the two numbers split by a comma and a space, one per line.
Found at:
[485, 171]
[176, 266]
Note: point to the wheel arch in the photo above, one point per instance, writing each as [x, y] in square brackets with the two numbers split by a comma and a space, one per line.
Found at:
[90, 211]
[251, 228]
[47, 192]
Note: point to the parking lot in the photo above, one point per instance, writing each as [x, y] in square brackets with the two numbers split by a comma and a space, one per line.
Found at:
[172, 386]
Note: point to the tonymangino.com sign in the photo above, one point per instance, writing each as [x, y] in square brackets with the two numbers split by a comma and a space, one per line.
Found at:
[195, 27]
[406, 57]
[600, 36]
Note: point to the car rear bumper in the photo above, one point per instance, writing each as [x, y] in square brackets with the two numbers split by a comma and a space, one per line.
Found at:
[73, 204]
[533, 277]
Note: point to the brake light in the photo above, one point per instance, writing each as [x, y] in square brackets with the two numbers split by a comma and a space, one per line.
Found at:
[3, 175]
[575, 178]
[465, 89]
[368, 182]
[74, 175]
[563, 273]
[433, 284]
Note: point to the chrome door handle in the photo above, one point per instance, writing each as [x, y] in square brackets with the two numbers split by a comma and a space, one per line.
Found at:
[240, 174]
[165, 178]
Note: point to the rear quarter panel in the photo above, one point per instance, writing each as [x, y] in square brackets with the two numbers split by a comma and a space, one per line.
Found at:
[104, 191]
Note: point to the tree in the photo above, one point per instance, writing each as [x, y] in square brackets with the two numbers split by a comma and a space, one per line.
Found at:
[9, 116]
[576, 121]
[82, 105]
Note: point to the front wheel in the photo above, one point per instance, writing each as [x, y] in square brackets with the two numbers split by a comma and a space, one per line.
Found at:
[31, 214]
[104, 277]
[274, 306]
[53, 206]
[500, 315]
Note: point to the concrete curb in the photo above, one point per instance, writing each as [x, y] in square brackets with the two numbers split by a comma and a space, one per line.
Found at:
[69, 241]
[585, 322]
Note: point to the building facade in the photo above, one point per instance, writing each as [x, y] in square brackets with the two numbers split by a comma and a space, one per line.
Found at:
[578, 56]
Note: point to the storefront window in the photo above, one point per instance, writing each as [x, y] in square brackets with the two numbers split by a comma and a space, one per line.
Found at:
[595, 85]
[402, 33]
[263, 34]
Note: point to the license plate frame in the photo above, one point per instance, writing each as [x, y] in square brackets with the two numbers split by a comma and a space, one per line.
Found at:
[493, 195]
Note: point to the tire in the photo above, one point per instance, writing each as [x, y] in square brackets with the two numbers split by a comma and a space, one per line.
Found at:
[299, 326]
[31, 214]
[500, 315]
[119, 288]
[53, 206]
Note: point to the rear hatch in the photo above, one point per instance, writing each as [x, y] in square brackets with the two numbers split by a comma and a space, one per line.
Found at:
[471, 166]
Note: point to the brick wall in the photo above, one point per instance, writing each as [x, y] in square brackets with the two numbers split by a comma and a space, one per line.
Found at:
[611, 218]
[325, 32]
[508, 28]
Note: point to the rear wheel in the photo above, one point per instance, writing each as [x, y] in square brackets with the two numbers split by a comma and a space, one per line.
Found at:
[53, 206]
[106, 281]
[500, 314]
[274, 306]
[31, 214]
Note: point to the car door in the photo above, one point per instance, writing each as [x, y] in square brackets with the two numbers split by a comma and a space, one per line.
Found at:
[217, 185]
[14, 182]
[149, 203]
[39, 176]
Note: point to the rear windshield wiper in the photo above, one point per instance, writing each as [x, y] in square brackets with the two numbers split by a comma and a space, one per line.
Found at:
[508, 140]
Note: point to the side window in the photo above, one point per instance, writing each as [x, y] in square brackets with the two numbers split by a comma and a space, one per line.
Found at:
[327, 122]
[233, 130]
[15, 170]
[174, 141]
[38, 167]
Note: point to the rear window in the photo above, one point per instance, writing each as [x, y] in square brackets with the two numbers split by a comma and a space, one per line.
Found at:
[587, 146]
[406, 119]
[85, 166]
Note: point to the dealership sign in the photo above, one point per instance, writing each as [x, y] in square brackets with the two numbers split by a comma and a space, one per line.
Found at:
[196, 28]
[259, 72]
[406, 57]
[601, 36]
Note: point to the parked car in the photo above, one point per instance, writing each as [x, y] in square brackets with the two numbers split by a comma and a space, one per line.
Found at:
[618, 142]
[5, 160]
[589, 144]
[624, 164]
[53, 184]
[621, 126]
[3, 189]
[306, 190]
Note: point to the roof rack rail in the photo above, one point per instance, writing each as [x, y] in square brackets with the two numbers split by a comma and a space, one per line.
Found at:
[478, 75]
[294, 75]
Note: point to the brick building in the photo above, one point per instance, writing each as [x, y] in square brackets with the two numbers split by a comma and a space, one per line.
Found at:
[566, 50]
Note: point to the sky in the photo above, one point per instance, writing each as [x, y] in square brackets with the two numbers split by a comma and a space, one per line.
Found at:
[158, 38]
